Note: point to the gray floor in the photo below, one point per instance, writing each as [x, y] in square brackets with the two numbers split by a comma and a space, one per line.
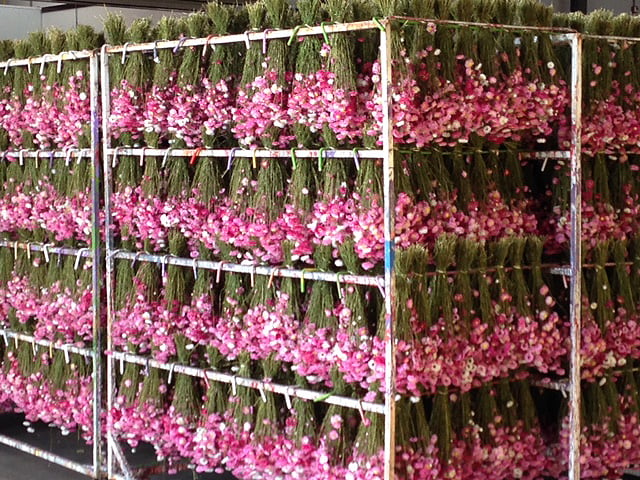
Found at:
[16, 465]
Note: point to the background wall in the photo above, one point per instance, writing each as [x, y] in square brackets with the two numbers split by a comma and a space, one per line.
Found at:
[19, 17]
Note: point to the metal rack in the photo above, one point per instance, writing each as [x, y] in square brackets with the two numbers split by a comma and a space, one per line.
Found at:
[107, 159]
[94, 352]
[386, 282]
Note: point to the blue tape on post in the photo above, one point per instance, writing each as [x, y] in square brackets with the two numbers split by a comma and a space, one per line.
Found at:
[389, 253]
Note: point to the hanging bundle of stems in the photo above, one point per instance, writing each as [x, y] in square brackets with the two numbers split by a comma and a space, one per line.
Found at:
[623, 289]
[444, 40]
[600, 291]
[306, 428]
[354, 298]
[369, 440]
[460, 169]
[509, 178]
[244, 402]
[322, 297]
[6, 82]
[485, 411]
[467, 251]
[528, 16]
[441, 423]
[440, 303]
[412, 424]
[340, 420]
[521, 296]
[369, 182]
[538, 286]
[503, 288]
[269, 408]
[190, 71]
[486, 39]
[465, 43]
[341, 63]
[506, 402]
[429, 173]
[308, 61]
[598, 53]
[483, 286]
[217, 395]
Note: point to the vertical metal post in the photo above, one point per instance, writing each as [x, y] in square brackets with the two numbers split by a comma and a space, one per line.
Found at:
[576, 257]
[386, 76]
[96, 242]
[109, 268]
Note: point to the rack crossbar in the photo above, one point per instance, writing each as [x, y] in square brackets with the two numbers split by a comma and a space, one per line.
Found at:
[85, 352]
[48, 248]
[366, 280]
[48, 456]
[47, 58]
[286, 390]
[246, 153]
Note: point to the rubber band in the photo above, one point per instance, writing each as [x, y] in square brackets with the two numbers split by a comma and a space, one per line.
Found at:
[29, 61]
[195, 268]
[78, 257]
[114, 160]
[65, 349]
[293, 36]
[322, 398]
[15, 341]
[376, 20]
[45, 250]
[15, 250]
[273, 274]
[263, 395]
[294, 158]
[4, 336]
[247, 40]
[170, 377]
[287, 399]
[21, 156]
[340, 293]
[230, 158]
[165, 157]
[50, 349]
[29, 251]
[121, 365]
[6, 66]
[33, 346]
[37, 158]
[195, 155]
[59, 65]
[43, 62]
[321, 154]
[135, 259]
[254, 160]
[67, 156]
[265, 41]
[323, 26]
[142, 155]
[252, 275]
[156, 59]
[361, 411]
[219, 271]
[234, 386]
[206, 44]
[147, 368]
[305, 270]
[179, 45]
[163, 267]
[124, 53]
[544, 164]
[356, 158]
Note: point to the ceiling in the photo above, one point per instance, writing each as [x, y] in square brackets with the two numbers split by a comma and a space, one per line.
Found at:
[176, 5]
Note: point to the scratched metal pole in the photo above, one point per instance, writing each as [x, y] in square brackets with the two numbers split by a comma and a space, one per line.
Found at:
[576, 257]
[96, 242]
[106, 140]
[389, 252]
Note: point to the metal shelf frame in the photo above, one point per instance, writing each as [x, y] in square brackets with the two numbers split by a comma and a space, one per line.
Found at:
[103, 158]
[95, 352]
[387, 282]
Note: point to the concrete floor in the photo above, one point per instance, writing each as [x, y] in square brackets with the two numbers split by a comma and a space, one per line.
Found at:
[16, 465]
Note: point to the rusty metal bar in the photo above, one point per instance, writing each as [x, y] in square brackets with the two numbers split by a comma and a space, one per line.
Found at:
[305, 274]
[286, 390]
[48, 456]
[576, 258]
[386, 82]
[231, 153]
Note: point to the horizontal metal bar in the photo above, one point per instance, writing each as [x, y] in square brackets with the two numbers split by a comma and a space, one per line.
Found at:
[215, 376]
[566, 270]
[611, 38]
[47, 248]
[6, 334]
[497, 26]
[246, 153]
[550, 155]
[310, 274]
[48, 456]
[46, 58]
[69, 153]
[252, 36]
[560, 385]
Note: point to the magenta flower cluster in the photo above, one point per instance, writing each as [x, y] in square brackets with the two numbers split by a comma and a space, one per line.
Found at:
[56, 117]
